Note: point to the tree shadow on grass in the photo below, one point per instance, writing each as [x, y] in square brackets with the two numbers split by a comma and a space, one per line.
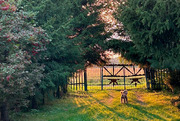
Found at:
[149, 115]
[121, 115]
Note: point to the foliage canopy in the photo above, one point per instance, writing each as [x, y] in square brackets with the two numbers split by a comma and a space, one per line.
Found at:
[154, 28]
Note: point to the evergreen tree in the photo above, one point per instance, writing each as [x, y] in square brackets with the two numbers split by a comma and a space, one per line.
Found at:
[77, 37]
[154, 30]
[153, 27]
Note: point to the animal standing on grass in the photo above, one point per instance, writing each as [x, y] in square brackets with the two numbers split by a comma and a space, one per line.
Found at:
[124, 96]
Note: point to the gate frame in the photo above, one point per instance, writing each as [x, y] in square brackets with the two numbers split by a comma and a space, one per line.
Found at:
[124, 68]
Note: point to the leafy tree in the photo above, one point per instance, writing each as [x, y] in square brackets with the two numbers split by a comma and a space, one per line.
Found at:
[20, 44]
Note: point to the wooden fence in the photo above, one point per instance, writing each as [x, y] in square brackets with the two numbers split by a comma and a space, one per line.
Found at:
[155, 78]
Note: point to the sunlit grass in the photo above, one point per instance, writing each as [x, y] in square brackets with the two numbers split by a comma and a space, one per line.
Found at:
[105, 106]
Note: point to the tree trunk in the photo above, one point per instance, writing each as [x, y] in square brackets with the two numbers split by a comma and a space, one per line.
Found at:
[58, 92]
[174, 79]
[34, 103]
[152, 77]
[43, 93]
[4, 112]
[85, 80]
[64, 88]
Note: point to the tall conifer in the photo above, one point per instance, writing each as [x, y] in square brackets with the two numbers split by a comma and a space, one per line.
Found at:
[77, 34]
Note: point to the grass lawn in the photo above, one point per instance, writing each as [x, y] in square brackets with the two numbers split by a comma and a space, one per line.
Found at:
[105, 106]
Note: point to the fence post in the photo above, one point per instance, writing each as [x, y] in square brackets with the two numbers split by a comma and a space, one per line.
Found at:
[85, 79]
[79, 79]
[150, 71]
[73, 82]
[82, 79]
[101, 73]
[124, 78]
[161, 82]
[113, 69]
[147, 80]
[76, 80]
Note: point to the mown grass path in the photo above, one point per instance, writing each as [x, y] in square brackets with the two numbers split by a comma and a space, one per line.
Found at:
[105, 106]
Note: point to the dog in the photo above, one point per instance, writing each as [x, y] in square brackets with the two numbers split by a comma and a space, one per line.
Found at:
[124, 96]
